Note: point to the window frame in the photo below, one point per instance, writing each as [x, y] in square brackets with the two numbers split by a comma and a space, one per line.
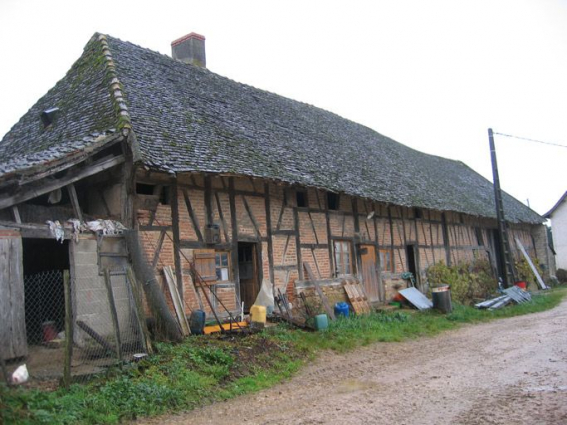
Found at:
[219, 267]
[342, 268]
[384, 253]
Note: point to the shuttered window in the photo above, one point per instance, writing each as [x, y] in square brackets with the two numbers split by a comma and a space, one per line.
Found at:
[205, 265]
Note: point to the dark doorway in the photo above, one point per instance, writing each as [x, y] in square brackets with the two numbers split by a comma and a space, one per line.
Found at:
[412, 263]
[44, 261]
[248, 273]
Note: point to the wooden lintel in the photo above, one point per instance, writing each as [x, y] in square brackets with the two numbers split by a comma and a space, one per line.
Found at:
[248, 193]
[30, 230]
[284, 232]
[314, 245]
[72, 177]
[154, 228]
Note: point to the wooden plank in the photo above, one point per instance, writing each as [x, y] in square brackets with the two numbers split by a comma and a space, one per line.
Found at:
[158, 249]
[540, 281]
[192, 216]
[255, 224]
[75, 201]
[323, 297]
[51, 185]
[113, 313]
[297, 244]
[68, 329]
[16, 214]
[176, 299]
[221, 216]
[95, 336]
[357, 297]
[174, 201]
[269, 232]
[225, 327]
[138, 305]
[12, 311]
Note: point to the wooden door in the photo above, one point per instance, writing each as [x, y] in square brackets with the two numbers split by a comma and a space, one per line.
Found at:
[13, 341]
[369, 272]
[248, 273]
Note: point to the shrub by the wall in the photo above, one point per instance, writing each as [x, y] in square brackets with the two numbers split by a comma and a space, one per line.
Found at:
[469, 281]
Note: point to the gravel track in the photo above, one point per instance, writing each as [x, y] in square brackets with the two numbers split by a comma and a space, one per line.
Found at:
[509, 371]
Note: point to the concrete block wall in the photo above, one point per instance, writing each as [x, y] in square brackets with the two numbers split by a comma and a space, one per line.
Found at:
[90, 296]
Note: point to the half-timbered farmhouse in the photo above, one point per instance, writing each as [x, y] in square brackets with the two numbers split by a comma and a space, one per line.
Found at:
[248, 185]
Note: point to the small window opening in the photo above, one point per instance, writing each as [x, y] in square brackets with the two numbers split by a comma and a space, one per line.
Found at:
[333, 200]
[301, 197]
[48, 116]
[418, 213]
[152, 189]
[479, 238]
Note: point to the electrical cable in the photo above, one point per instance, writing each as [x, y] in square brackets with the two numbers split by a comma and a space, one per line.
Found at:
[530, 140]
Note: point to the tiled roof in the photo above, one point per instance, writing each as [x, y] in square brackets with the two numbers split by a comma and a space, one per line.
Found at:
[87, 113]
[188, 118]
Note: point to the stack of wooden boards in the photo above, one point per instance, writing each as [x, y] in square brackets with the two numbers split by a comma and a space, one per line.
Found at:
[356, 296]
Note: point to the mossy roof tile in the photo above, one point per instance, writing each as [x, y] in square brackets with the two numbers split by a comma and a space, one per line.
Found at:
[189, 119]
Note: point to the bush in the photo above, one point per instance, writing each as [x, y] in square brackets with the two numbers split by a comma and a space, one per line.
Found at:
[468, 281]
[561, 275]
[524, 271]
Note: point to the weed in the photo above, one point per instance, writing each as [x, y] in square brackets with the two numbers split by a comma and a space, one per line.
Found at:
[204, 369]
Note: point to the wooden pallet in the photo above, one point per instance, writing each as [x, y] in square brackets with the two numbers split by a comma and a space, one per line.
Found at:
[357, 297]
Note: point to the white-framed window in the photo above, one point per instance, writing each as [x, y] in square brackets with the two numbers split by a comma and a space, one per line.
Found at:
[343, 257]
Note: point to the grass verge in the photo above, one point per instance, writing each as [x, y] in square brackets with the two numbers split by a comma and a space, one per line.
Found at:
[206, 369]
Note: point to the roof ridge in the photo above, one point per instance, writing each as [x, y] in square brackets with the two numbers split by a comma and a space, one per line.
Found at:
[115, 87]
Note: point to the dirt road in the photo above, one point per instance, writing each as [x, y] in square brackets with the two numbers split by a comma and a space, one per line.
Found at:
[511, 371]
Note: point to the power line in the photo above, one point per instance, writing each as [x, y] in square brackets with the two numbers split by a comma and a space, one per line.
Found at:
[531, 140]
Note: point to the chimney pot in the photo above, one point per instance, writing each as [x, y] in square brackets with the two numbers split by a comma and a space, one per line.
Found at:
[190, 49]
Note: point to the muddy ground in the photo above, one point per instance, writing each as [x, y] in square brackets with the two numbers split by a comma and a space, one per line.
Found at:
[510, 371]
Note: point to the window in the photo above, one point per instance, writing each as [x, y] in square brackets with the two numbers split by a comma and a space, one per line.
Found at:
[386, 260]
[418, 213]
[301, 197]
[213, 266]
[162, 192]
[222, 266]
[333, 200]
[343, 258]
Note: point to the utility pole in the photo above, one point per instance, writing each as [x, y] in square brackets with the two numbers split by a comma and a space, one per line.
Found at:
[508, 275]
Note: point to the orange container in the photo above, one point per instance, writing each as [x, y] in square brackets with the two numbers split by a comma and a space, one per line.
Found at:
[521, 284]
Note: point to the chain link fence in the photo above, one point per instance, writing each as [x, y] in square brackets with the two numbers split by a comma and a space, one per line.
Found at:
[80, 327]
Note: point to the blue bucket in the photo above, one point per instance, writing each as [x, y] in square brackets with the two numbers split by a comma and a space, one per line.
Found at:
[341, 309]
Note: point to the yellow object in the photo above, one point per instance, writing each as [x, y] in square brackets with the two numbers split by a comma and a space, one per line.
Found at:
[258, 314]
[226, 326]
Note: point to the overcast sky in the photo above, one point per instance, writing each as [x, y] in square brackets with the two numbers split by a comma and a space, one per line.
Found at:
[433, 75]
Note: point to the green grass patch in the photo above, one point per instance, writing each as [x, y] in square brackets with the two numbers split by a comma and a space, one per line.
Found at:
[205, 369]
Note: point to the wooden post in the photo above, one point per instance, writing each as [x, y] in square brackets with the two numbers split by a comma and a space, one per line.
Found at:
[323, 297]
[140, 317]
[4, 370]
[68, 329]
[75, 201]
[113, 313]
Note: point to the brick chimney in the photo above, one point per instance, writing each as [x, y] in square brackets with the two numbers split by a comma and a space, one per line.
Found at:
[190, 49]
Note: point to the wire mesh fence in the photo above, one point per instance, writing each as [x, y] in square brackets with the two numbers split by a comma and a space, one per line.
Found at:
[80, 327]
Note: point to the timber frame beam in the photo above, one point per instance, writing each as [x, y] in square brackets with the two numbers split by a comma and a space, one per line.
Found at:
[71, 177]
